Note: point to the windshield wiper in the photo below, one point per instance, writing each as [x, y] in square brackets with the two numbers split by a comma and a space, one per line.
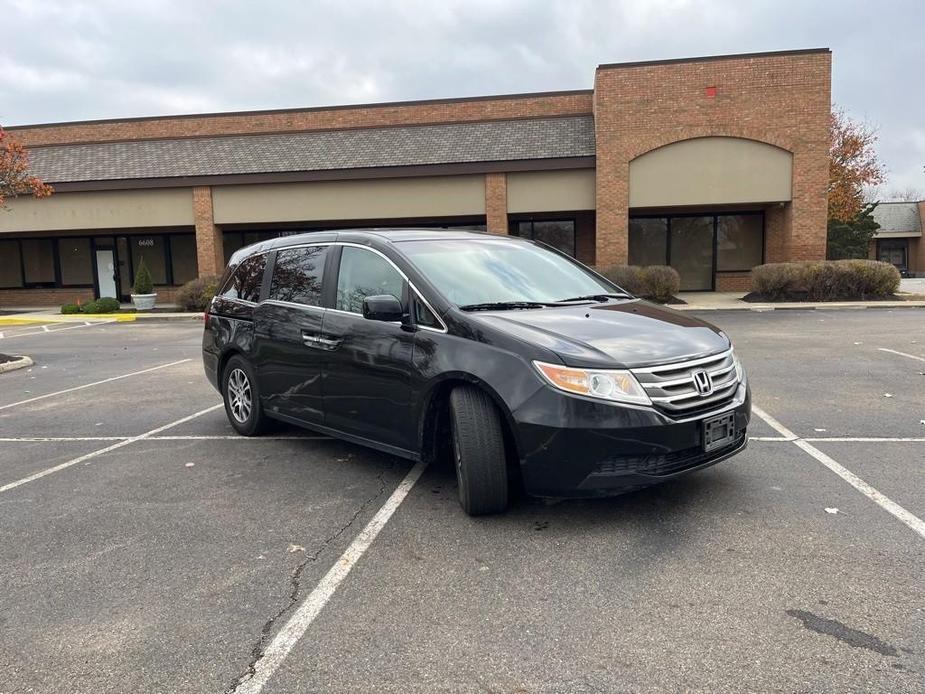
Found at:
[502, 305]
[597, 297]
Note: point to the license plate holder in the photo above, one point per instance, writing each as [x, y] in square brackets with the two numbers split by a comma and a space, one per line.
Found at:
[719, 431]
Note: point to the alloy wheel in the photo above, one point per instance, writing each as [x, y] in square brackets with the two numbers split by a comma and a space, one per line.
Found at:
[240, 400]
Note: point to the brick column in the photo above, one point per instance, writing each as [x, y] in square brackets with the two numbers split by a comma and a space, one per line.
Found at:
[210, 254]
[917, 246]
[777, 223]
[496, 203]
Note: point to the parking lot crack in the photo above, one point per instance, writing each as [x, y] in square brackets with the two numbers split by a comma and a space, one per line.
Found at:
[295, 583]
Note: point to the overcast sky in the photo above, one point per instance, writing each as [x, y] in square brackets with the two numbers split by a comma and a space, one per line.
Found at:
[66, 60]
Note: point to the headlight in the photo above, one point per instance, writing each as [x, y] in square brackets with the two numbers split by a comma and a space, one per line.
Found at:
[740, 370]
[616, 386]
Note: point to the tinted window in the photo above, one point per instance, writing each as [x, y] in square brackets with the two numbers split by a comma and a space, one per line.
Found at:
[739, 241]
[246, 280]
[560, 234]
[151, 248]
[76, 267]
[364, 273]
[39, 261]
[297, 275]
[10, 267]
[183, 258]
[424, 316]
[475, 272]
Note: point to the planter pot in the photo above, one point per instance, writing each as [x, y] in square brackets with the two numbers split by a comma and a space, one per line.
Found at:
[143, 302]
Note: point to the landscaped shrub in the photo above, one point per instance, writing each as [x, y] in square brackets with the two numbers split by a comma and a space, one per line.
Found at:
[660, 282]
[775, 280]
[88, 307]
[68, 309]
[196, 294]
[107, 304]
[657, 282]
[629, 277]
[143, 283]
[825, 280]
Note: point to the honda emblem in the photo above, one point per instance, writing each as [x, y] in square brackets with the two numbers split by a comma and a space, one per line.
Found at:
[702, 382]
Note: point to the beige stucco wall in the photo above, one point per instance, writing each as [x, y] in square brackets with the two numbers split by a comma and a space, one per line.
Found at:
[711, 171]
[99, 210]
[364, 199]
[551, 191]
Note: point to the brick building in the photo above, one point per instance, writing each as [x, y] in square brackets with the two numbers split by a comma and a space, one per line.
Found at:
[712, 165]
[899, 238]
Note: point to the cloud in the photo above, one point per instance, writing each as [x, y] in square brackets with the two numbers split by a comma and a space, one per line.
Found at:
[80, 59]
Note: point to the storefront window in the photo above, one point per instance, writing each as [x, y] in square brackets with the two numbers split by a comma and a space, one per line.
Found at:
[76, 266]
[39, 261]
[151, 248]
[648, 241]
[558, 233]
[183, 258]
[10, 265]
[739, 242]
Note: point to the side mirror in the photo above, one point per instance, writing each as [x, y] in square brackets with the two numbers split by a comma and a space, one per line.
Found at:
[384, 307]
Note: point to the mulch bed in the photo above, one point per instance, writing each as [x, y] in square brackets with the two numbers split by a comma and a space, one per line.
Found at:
[754, 298]
[5, 358]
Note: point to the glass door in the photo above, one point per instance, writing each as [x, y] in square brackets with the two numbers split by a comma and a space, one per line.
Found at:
[691, 251]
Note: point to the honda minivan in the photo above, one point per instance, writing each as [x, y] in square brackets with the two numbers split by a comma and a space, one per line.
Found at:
[511, 359]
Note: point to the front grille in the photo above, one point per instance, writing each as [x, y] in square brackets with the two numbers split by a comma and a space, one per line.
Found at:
[672, 387]
[667, 464]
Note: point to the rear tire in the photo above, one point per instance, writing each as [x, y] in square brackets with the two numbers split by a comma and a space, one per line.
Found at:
[242, 398]
[478, 451]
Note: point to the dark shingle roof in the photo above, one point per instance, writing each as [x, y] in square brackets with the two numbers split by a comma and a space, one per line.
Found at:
[547, 138]
[896, 217]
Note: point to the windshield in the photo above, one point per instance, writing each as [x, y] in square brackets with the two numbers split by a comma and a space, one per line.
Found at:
[475, 271]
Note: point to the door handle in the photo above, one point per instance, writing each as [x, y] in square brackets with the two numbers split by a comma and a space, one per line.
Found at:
[319, 341]
[328, 342]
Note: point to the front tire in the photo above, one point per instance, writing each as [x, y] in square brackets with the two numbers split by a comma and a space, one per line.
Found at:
[478, 452]
[242, 398]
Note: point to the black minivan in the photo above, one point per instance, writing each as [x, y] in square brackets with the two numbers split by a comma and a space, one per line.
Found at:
[511, 357]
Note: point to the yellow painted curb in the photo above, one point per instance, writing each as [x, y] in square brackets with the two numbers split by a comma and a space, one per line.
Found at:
[75, 318]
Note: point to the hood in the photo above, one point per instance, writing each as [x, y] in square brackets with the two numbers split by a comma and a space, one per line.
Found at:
[627, 334]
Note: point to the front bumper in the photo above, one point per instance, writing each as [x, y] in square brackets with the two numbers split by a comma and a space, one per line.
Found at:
[577, 447]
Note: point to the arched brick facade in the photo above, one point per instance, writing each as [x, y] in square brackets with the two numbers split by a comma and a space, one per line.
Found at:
[779, 99]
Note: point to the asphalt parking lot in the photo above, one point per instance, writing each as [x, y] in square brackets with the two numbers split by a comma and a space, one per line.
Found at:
[145, 548]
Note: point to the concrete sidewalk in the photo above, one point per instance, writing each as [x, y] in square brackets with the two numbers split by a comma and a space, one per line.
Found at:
[39, 315]
[732, 301]
[696, 301]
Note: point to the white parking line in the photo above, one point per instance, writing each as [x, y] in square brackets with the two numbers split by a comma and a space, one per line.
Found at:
[95, 383]
[890, 506]
[101, 451]
[231, 437]
[298, 623]
[59, 330]
[866, 439]
[902, 354]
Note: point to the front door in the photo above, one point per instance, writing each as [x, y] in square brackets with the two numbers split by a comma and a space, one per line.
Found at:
[106, 273]
[366, 384]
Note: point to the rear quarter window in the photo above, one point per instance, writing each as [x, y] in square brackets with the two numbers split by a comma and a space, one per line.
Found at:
[244, 283]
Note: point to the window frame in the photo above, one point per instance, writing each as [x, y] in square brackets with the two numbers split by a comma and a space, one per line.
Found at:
[269, 262]
[93, 238]
[270, 270]
[715, 217]
[332, 273]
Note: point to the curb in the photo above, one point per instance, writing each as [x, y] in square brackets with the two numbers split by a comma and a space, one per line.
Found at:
[812, 307]
[18, 363]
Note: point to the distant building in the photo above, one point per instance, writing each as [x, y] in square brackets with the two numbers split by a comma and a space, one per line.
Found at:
[712, 165]
[899, 238]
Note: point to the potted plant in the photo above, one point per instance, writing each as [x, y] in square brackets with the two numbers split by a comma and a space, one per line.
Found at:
[143, 295]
